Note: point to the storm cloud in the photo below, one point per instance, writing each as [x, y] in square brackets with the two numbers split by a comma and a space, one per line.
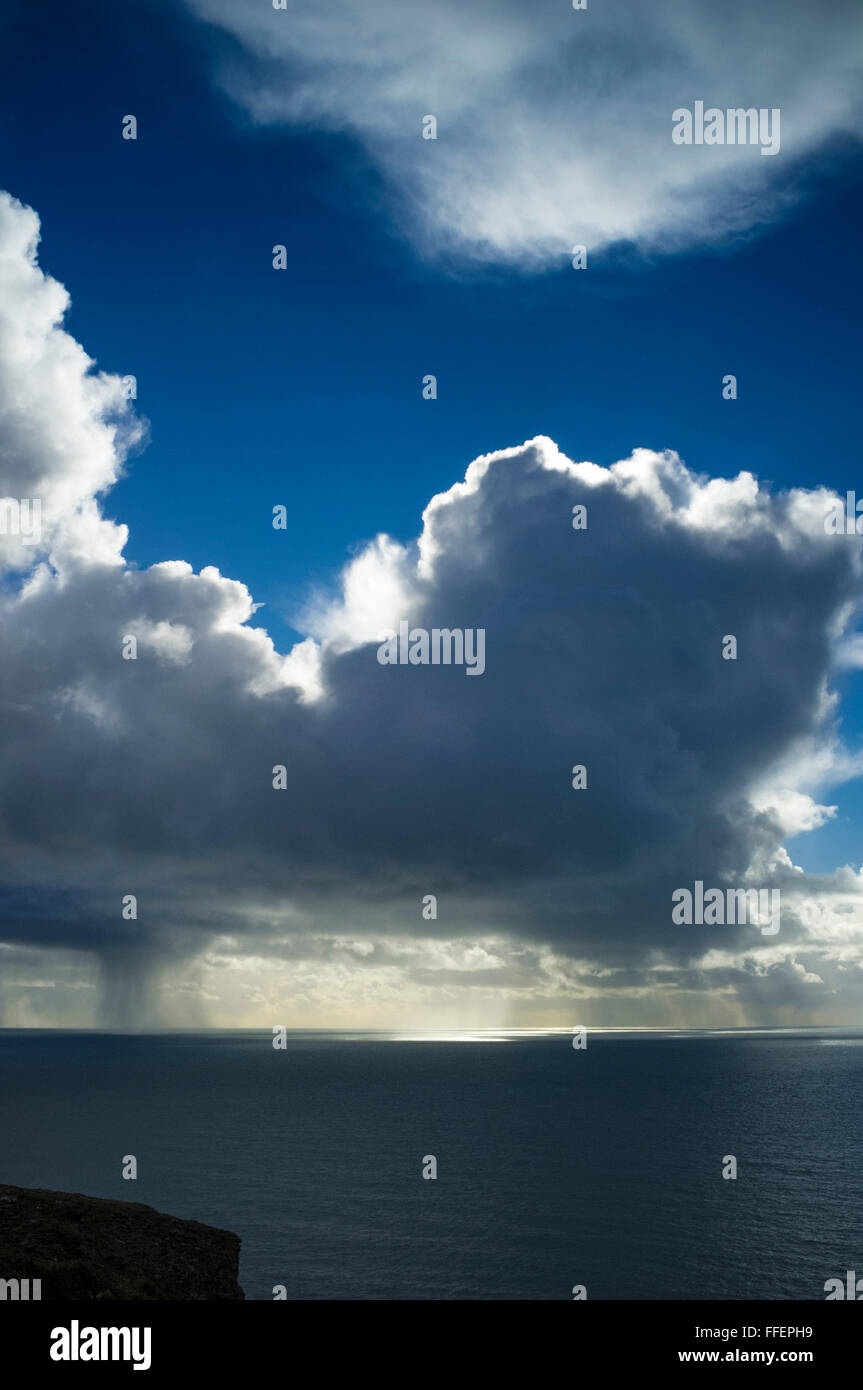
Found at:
[154, 777]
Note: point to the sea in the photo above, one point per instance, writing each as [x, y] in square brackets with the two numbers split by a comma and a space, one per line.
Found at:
[557, 1168]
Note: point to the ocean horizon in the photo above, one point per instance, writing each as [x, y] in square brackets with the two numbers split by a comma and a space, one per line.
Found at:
[556, 1166]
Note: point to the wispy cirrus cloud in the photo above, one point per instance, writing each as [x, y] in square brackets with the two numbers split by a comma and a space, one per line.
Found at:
[554, 125]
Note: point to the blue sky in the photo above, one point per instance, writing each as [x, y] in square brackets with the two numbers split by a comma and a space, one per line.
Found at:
[303, 387]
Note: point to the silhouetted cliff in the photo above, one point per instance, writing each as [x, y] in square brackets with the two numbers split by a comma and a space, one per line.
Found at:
[89, 1247]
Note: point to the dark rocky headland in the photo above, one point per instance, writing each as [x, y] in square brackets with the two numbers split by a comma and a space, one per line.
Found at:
[92, 1248]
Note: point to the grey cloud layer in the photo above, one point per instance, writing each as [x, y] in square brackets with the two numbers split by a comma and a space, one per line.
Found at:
[555, 125]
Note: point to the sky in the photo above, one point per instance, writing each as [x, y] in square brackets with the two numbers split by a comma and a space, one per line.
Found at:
[302, 387]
